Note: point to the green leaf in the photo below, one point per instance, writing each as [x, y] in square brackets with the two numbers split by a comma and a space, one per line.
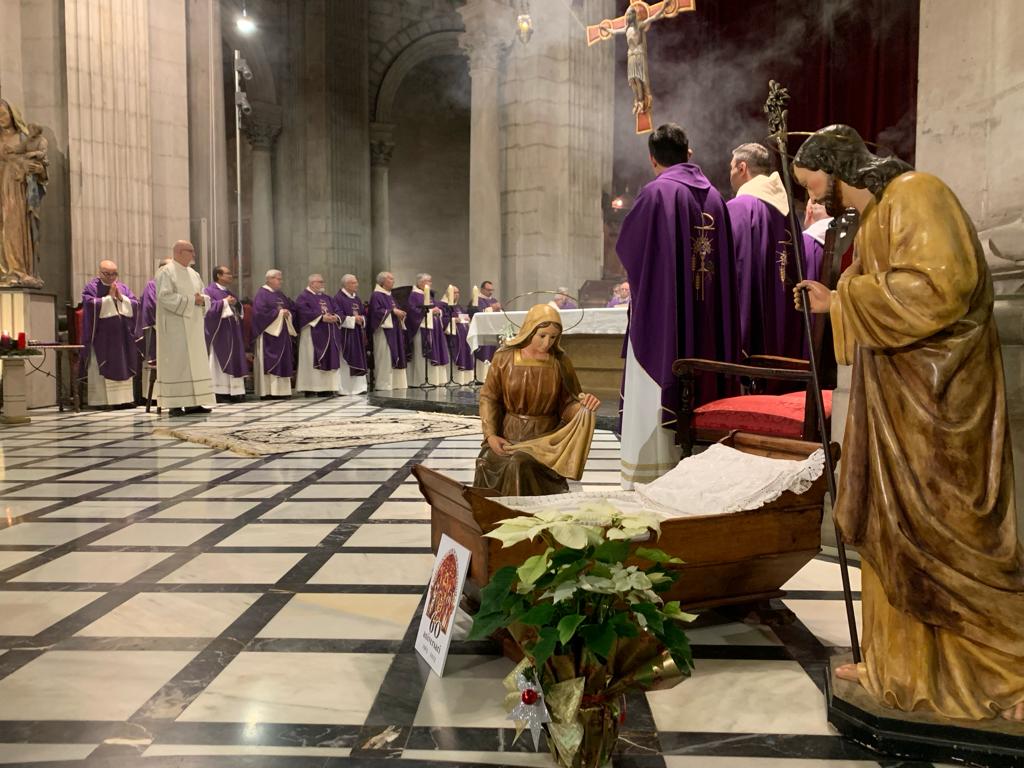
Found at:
[538, 615]
[485, 625]
[612, 552]
[564, 591]
[653, 616]
[599, 638]
[497, 590]
[655, 555]
[673, 611]
[544, 647]
[571, 535]
[567, 556]
[567, 627]
[624, 625]
[534, 567]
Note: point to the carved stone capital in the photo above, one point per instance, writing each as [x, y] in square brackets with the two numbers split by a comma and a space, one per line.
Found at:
[382, 144]
[490, 29]
[263, 126]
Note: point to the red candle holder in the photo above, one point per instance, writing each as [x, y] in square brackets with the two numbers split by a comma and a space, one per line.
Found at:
[22, 340]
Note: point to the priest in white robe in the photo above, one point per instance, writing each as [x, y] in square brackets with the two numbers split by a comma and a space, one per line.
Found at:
[182, 365]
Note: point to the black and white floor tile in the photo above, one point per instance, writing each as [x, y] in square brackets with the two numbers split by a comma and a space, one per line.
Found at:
[166, 604]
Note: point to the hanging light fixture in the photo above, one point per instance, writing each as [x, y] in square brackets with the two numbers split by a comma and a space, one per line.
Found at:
[245, 24]
[524, 22]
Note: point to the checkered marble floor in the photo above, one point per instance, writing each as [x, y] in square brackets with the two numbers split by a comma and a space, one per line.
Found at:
[167, 604]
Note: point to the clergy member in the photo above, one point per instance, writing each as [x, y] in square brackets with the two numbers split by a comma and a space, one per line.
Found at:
[386, 330]
[273, 330]
[763, 256]
[110, 358]
[319, 326]
[228, 365]
[926, 486]
[147, 318]
[563, 300]
[424, 328]
[456, 322]
[183, 363]
[675, 245]
[484, 301]
[350, 308]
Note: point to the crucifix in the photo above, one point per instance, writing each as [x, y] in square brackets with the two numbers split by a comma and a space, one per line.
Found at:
[634, 24]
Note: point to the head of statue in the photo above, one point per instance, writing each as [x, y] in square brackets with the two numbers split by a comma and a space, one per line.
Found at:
[274, 279]
[540, 331]
[6, 117]
[315, 283]
[748, 161]
[838, 154]
[223, 275]
[386, 280]
[350, 283]
[668, 145]
[108, 272]
[184, 253]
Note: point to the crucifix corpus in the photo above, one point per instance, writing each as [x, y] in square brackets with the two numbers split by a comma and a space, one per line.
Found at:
[634, 24]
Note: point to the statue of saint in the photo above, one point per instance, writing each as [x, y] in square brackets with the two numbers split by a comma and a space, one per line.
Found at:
[926, 487]
[23, 177]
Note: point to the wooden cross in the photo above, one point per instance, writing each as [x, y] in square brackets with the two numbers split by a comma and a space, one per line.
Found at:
[634, 24]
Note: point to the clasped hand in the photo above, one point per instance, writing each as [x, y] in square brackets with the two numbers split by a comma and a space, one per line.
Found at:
[819, 297]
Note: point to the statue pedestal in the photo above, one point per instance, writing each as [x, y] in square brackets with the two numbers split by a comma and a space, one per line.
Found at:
[14, 392]
[34, 312]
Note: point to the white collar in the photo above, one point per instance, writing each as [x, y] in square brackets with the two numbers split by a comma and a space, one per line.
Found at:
[222, 287]
[767, 189]
[417, 290]
[350, 295]
[381, 289]
[268, 288]
[818, 229]
[312, 291]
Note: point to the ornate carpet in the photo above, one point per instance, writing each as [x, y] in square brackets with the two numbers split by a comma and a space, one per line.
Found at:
[328, 433]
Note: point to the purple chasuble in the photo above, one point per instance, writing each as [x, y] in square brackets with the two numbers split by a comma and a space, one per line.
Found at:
[381, 306]
[110, 339]
[459, 341]
[435, 347]
[353, 340]
[485, 353]
[278, 351]
[326, 336]
[147, 319]
[615, 302]
[224, 333]
[676, 246]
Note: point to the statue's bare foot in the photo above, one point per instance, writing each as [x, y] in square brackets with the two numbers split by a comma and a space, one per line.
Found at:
[848, 672]
[1016, 713]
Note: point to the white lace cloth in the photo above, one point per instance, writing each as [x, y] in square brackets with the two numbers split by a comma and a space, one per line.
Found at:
[718, 481]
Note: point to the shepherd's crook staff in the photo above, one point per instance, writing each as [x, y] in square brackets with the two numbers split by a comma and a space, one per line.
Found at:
[775, 109]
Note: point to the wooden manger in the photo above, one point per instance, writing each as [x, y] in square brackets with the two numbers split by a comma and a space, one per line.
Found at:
[737, 558]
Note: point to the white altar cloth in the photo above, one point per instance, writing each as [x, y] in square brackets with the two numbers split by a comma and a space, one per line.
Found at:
[486, 326]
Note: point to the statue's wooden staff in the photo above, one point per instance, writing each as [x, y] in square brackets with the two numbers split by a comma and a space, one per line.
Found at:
[775, 109]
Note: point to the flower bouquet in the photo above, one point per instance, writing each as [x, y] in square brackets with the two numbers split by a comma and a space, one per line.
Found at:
[588, 616]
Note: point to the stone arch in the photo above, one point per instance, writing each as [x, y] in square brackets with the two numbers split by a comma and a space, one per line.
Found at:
[443, 43]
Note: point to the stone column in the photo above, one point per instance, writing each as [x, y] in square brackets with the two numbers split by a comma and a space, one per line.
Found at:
[381, 149]
[489, 30]
[262, 132]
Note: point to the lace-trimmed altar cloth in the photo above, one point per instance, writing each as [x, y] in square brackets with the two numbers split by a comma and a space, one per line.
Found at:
[718, 481]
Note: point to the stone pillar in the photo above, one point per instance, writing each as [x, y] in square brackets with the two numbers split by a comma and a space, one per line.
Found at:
[381, 149]
[489, 30]
[262, 132]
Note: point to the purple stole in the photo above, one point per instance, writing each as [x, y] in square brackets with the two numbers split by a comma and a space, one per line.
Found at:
[485, 353]
[111, 339]
[459, 341]
[326, 336]
[224, 334]
[353, 340]
[278, 352]
[381, 306]
[435, 348]
[676, 246]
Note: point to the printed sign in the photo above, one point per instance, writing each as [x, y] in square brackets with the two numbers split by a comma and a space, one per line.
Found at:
[446, 582]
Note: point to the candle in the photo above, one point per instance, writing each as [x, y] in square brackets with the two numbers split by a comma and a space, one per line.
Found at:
[5, 340]
[22, 341]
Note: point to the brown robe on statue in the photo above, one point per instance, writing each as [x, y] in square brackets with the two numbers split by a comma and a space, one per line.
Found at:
[926, 491]
[521, 400]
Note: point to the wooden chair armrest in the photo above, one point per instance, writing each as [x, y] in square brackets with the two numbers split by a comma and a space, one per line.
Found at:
[775, 361]
[690, 365]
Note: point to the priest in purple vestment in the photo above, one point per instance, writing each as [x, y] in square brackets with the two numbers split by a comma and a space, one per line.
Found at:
[456, 325]
[273, 331]
[145, 329]
[484, 301]
[764, 260]
[228, 365]
[350, 308]
[319, 327]
[676, 247]
[387, 329]
[424, 329]
[110, 359]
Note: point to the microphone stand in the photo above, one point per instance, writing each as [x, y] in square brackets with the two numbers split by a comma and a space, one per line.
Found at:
[776, 110]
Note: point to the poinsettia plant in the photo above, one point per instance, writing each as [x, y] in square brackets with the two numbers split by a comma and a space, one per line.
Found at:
[579, 612]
